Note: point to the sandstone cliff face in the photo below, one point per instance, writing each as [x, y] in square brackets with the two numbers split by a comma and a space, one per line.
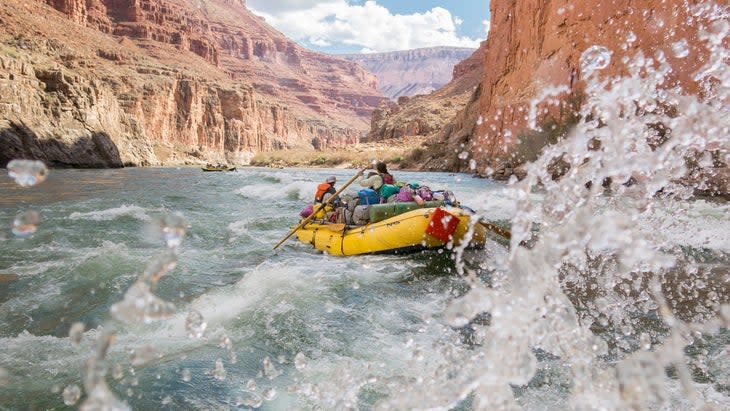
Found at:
[427, 115]
[411, 72]
[140, 82]
[534, 45]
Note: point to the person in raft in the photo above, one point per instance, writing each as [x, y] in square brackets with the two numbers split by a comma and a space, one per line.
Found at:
[326, 190]
[380, 181]
[375, 180]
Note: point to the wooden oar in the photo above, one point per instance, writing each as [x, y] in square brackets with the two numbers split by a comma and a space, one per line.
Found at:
[321, 206]
[496, 229]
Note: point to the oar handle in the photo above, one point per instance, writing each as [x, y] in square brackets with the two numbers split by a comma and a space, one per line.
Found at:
[321, 206]
[497, 229]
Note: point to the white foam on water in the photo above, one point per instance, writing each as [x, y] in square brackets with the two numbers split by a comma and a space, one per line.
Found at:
[303, 190]
[697, 224]
[239, 228]
[498, 204]
[136, 212]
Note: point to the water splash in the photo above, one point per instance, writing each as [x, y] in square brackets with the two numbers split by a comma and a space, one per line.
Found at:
[99, 396]
[680, 48]
[249, 399]
[219, 372]
[26, 224]
[593, 59]
[195, 325]
[27, 173]
[300, 361]
[76, 333]
[270, 370]
[140, 305]
[597, 293]
[71, 394]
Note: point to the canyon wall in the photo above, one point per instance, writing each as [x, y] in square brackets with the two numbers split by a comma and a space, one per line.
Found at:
[411, 72]
[533, 46]
[536, 46]
[424, 115]
[138, 82]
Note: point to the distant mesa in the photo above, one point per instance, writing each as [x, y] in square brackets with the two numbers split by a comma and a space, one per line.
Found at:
[411, 72]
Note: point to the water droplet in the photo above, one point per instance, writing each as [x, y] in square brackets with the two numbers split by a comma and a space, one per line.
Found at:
[186, 375]
[680, 48]
[71, 394]
[464, 155]
[251, 385]
[27, 173]
[195, 325]
[355, 285]
[220, 372]
[171, 228]
[226, 343]
[159, 267]
[76, 333]
[645, 341]
[270, 370]
[269, 394]
[300, 361]
[480, 120]
[141, 306]
[26, 224]
[249, 399]
[472, 164]
[167, 400]
[594, 58]
[631, 37]
[117, 372]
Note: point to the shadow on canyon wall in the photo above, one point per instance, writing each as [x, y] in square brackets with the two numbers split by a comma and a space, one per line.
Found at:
[96, 150]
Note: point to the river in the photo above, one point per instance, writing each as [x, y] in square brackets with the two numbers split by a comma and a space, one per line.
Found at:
[291, 329]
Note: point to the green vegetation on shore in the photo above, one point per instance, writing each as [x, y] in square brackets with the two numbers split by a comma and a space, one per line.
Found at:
[359, 155]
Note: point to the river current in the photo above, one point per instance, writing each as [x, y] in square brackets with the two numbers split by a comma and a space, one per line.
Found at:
[292, 329]
[157, 288]
[350, 319]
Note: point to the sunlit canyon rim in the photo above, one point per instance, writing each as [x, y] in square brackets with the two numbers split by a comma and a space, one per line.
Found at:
[110, 83]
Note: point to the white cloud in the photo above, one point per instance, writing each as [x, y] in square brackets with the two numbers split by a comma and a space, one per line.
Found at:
[369, 26]
[487, 26]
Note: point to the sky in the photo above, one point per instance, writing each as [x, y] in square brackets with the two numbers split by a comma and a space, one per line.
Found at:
[367, 26]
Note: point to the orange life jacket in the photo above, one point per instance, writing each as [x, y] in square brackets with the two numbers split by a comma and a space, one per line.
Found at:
[323, 189]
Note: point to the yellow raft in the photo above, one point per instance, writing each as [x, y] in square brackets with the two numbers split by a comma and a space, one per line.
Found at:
[226, 168]
[404, 232]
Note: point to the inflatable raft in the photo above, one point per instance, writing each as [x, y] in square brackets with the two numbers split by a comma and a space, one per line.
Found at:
[219, 168]
[423, 228]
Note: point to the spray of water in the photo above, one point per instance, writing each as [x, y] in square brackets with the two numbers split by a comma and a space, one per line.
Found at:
[593, 291]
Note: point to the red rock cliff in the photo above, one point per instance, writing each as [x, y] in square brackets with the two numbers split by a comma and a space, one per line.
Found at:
[163, 82]
[533, 46]
[537, 44]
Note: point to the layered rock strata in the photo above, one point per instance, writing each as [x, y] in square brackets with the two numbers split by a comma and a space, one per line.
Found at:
[140, 82]
[427, 115]
[537, 46]
[411, 72]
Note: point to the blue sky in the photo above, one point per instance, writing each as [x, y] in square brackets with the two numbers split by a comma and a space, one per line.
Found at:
[355, 26]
